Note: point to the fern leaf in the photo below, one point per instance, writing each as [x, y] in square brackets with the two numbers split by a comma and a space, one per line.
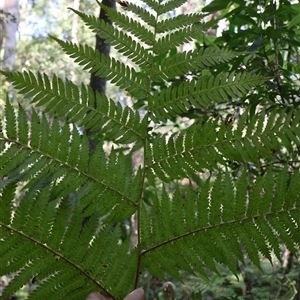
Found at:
[61, 202]
[207, 90]
[56, 250]
[68, 171]
[78, 105]
[10, 122]
[118, 73]
[122, 42]
[55, 243]
[217, 240]
[153, 4]
[178, 38]
[203, 147]
[168, 6]
[192, 61]
[129, 25]
[177, 22]
[142, 13]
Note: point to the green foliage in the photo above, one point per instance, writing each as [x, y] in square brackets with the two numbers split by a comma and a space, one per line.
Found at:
[60, 203]
[270, 33]
[271, 284]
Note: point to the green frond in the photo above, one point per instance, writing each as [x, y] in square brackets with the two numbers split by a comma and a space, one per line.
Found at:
[153, 4]
[177, 22]
[178, 38]
[60, 204]
[77, 105]
[182, 234]
[192, 61]
[113, 70]
[213, 144]
[51, 158]
[142, 13]
[206, 90]
[165, 7]
[56, 248]
[122, 42]
[129, 25]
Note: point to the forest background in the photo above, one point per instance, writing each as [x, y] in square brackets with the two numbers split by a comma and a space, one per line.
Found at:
[269, 31]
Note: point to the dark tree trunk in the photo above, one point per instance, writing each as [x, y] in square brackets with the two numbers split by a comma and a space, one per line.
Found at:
[98, 84]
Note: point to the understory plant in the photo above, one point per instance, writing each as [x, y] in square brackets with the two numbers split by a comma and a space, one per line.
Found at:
[63, 206]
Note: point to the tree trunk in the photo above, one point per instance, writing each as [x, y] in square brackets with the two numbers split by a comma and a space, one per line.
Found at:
[98, 84]
[8, 31]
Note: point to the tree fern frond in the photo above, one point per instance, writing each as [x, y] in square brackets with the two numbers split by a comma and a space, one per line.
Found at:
[142, 13]
[192, 61]
[116, 72]
[69, 171]
[213, 144]
[153, 4]
[129, 25]
[61, 203]
[177, 22]
[178, 38]
[122, 42]
[75, 104]
[218, 239]
[169, 6]
[205, 91]
[56, 248]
